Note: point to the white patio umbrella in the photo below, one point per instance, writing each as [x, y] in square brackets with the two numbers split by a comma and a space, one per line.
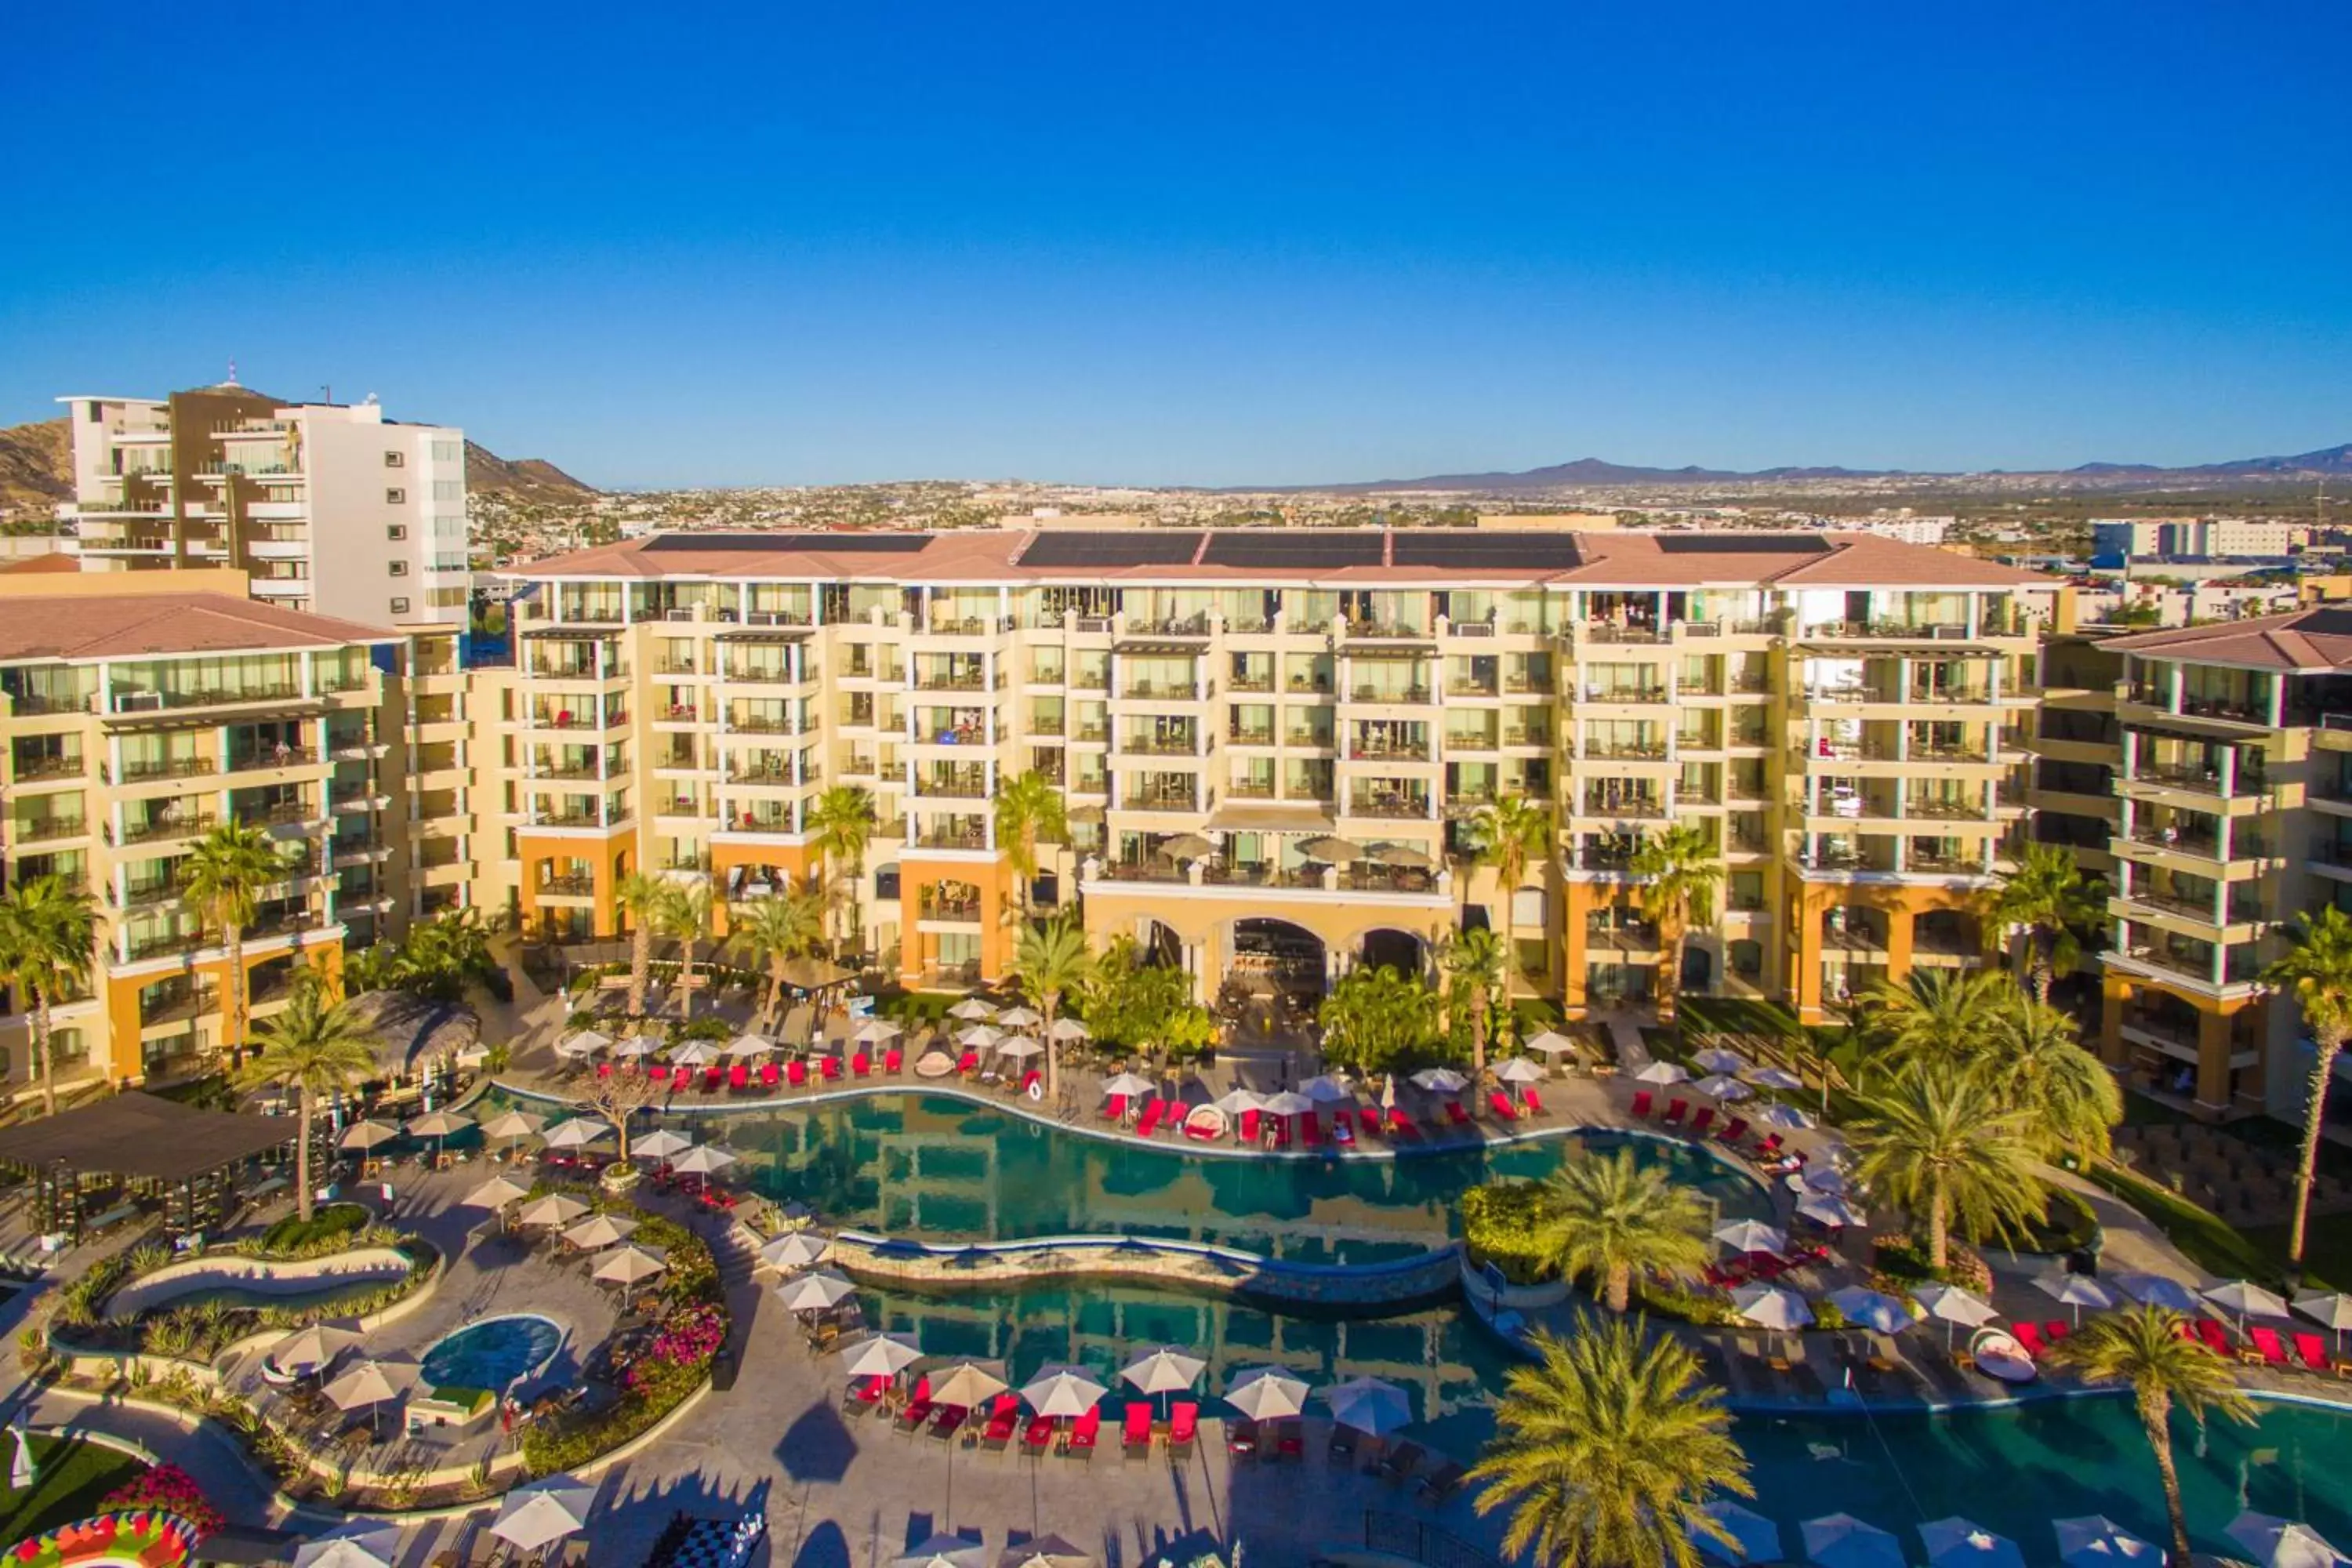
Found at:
[2094, 1541]
[586, 1043]
[945, 1552]
[1267, 1394]
[815, 1292]
[2282, 1544]
[579, 1132]
[1841, 1541]
[313, 1349]
[1369, 1404]
[1166, 1369]
[638, 1045]
[600, 1230]
[704, 1160]
[971, 1008]
[1788, 1117]
[1829, 1209]
[2247, 1300]
[695, 1054]
[874, 1031]
[1822, 1178]
[660, 1144]
[1233, 1101]
[1773, 1078]
[2156, 1290]
[553, 1209]
[352, 1546]
[1020, 1017]
[1771, 1307]
[1722, 1086]
[1715, 1058]
[2331, 1308]
[1551, 1042]
[795, 1249]
[370, 1383]
[1044, 1552]
[879, 1355]
[513, 1124]
[968, 1382]
[629, 1265]
[977, 1036]
[1958, 1542]
[1868, 1308]
[749, 1045]
[1059, 1391]
[1286, 1103]
[366, 1135]
[1518, 1070]
[1954, 1305]
[497, 1193]
[2077, 1290]
[1662, 1073]
[1750, 1236]
[1126, 1083]
[1754, 1538]
[1441, 1080]
[545, 1512]
[1068, 1029]
[1326, 1089]
[1019, 1048]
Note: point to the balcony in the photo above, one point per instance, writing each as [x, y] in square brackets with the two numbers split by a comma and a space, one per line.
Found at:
[267, 758]
[186, 826]
[1147, 871]
[1159, 746]
[1389, 750]
[952, 789]
[32, 704]
[147, 770]
[565, 719]
[931, 907]
[1399, 808]
[132, 703]
[1164, 691]
[1250, 683]
[568, 886]
[48, 829]
[967, 625]
[1938, 809]
[1176, 626]
[762, 774]
[949, 838]
[761, 724]
[1177, 803]
[31, 770]
[936, 681]
[1643, 806]
[1409, 696]
[1626, 750]
[1237, 736]
[1625, 694]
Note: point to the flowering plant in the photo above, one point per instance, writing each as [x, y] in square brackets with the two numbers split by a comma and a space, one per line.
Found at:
[172, 1491]
[688, 1338]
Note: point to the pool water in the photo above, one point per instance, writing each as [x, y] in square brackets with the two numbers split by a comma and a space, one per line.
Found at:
[491, 1354]
[933, 1167]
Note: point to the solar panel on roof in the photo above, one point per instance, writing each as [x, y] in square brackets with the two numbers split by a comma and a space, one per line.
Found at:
[1463, 550]
[768, 543]
[1742, 544]
[1103, 547]
[1272, 550]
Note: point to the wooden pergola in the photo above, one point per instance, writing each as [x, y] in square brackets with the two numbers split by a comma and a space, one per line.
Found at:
[110, 1160]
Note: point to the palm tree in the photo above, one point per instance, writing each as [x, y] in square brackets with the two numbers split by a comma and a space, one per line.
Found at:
[2318, 970]
[684, 914]
[840, 825]
[1507, 835]
[1941, 1143]
[49, 929]
[2146, 1347]
[315, 1045]
[1610, 1215]
[1053, 960]
[1030, 809]
[642, 899]
[1375, 1017]
[2035, 1065]
[221, 881]
[1606, 1452]
[1679, 871]
[1938, 1016]
[2049, 900]
[1476, 960]
[773, 930]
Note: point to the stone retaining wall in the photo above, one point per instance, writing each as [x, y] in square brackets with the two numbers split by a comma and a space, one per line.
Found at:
[379, 1265]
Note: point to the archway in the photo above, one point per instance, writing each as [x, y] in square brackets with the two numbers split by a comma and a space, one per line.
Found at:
[1390, 949]
[1157, 946]
[1277, 957]
[1698, 968]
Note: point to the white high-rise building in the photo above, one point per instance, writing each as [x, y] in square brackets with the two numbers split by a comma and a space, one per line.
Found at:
[331, 507]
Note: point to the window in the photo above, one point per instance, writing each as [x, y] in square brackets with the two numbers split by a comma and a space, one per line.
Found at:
[395, 532]
[448, 490]
[446, 598]
[399, 606]
[396, 460]
[397, 568]
[395, 497]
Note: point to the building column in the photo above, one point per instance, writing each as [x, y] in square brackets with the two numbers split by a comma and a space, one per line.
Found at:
[2213, 1096]
[1899, 918]
[2113, 993]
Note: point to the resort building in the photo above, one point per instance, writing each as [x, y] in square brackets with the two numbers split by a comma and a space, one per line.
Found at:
[328, 508]
[144, 708]
[2231, 763]
[1274, 744]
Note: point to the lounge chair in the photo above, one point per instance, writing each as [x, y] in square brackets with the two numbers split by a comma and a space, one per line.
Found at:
[1399, 1463]
[1342, 1452]
[1149, 1123]
[1183, 1426]
[2266, 1350]
[1454, 1115]
[1769, 1148]
[2215, 1336]
[1733, 1130]
[1368, 1118]
[1311, 1129]
[947, 1422]
[831, 1066]
[1250, 1122]
[2053, 1330]
[796, 1073]
[1500, 1104]
[738, 1077]
[1702, 1121]
[1084, 1431]
[865, 1395]
[1202, 1131]
[1399, 1124]
[893, 1060]
[1289, 1440]
[1115, 1109]
[656, 1073]
[918, 1407]
[1675, 1111]
[604, 1069]
[1241, 1436]
[2312, 1352]
[1441, 1482]
[1530, 1101]
[1030, 1079]
[861, 1066]
[1641, 1108]
[1002, 1423]
[968, 1064]
[714, 1078]
[1038, 1436]
[2029, 1337]
[1135, 1428]
[771, 1075]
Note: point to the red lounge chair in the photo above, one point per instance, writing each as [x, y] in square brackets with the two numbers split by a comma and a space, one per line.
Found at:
[2216, 1337]
[604, 1069]
[1135, 1426]
[2312, 1352]
[1454, 1115]
[892, 1060]
[1250, 1126]
[1083, 1432]
[1311, 1129]
[1115, 1107]
[2053, 1330]
[1769, 1147]
[832, 1069]
[1702, 1121]
[771, 1075]
[918, 1406]
[1183, 1425]
[867, 1393]
[1291, 1442]
[949, 1421]
[1531, 1100]
[861, 1065]
[2267, 1345]
[1370, 1117]
[796, 1074]
[1642, 1105]
[1399, 1124]
[1343, 1130]
[1733, 1130]
[738, 1077]
[1149, 1123]
[967, 1063]
[714, 1077]
[1030, 1079]
[2029, 1337]
[1241, 1437]
[660, 1074]
[1500, 1104]
[1675, 1111]
[1039, 1435]
[1001, 1422]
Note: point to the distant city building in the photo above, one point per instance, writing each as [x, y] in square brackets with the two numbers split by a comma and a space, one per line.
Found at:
[329, 509]
[2114, 541]
[1912, 530]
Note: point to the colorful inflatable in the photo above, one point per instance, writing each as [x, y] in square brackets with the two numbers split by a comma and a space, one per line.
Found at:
[133, 1537]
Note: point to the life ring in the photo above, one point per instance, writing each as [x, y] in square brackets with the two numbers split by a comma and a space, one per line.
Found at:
[1035, 1091]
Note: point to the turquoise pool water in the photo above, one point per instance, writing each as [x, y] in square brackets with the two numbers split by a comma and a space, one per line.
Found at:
[491, 1354]
[936, 1168]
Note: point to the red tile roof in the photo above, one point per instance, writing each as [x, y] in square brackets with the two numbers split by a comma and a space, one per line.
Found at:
[135, 625]
[2314, 640]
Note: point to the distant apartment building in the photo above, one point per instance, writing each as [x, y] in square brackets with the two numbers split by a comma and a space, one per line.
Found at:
[329, 509]
[1274, 744]
[1911, 530]
[2115, 540]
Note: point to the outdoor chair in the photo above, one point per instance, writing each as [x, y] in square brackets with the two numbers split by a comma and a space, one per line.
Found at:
[1531, 1100]
[1369, 1120]
[1149, 1123]
[1241, 1437]
[864, 1395]
[1440, 1483]
[947, 1423]
[1675, 1111]
[1250, 1123]
[1399, 1463]
[1084, 1432]
[1769, 1148]
[1037, 1436]
[2216, 1337]
[1183, 1426]
[1002, 1423]
[738, 1077]
[1733, 1130]
[2267, 1351]
[2313, 1352]
[1702, 1121]
[1115, 1107]
[861, 1065]
[2029, 1337]
[1135, 1428]
[1454, 1115]
[1032, 1079]
[771, 1075]
[917, 1408]
[1342, 1454]
[968, 1064]
[1290, 1440]
[831, 1068]
[1641, 1107]
[1343, 1130]
[893, 1060]
[1399, 1124]
[796, 1074]
[1311, 1129]
[714, 1078]
[1500, 1104]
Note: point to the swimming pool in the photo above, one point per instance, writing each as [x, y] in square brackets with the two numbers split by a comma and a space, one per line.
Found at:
[935, 1168]
[491, 1354]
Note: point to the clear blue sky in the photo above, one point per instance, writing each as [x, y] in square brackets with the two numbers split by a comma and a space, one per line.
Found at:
[1209, 243]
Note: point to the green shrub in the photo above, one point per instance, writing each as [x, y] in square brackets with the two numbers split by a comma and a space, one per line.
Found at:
[1502, 1224]
[1665, 1299]
[2068, 1225]
[1899, 1264]
[295, 1236]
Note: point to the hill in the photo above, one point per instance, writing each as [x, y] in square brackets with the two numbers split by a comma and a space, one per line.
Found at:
[37, 469]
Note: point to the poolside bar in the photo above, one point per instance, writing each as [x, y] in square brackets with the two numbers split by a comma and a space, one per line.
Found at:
[117, 1159]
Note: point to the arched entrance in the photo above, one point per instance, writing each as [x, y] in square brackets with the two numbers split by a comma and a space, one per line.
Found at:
[1159, 947]
[1698, 968]
[1390, 949]
[1273, 957]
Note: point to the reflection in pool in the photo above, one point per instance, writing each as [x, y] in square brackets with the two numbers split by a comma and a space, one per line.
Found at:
[936, 1168]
